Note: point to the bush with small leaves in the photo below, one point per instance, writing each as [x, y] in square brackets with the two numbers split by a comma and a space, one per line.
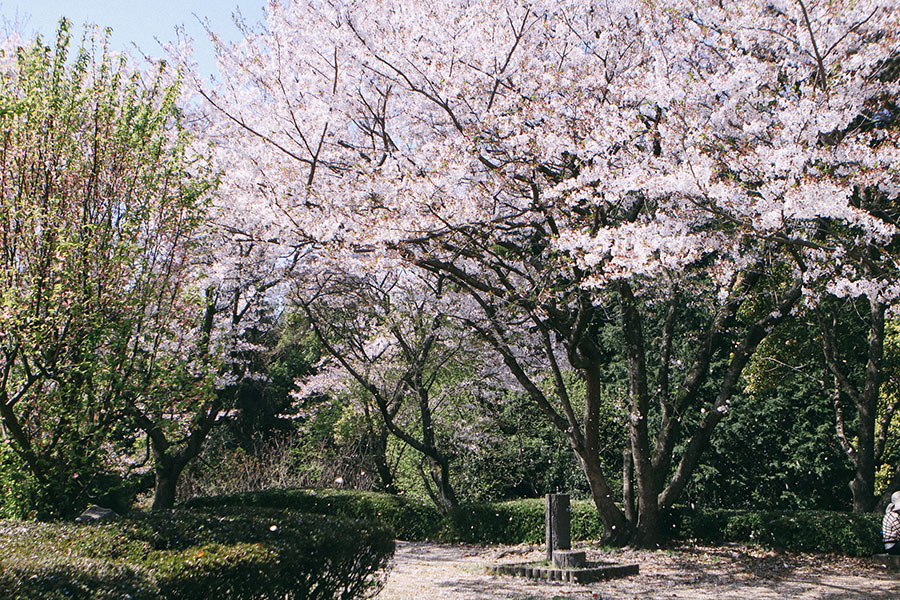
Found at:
[230, 553]
[852, 534]
[410, 519]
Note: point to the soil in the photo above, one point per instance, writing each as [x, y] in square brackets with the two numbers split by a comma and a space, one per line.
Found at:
[424, 570]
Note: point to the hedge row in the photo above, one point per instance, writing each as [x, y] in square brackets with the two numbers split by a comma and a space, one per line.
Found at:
[850, 534]
[410, 519]
[513, 522]
[522, 521]
[517, 521]
[182, 555]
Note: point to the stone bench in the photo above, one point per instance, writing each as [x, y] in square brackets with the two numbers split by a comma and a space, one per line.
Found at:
[888, 560]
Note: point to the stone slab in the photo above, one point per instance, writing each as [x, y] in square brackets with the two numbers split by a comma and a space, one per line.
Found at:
[96, 514]
[568, 559]
[557, 523]
[888, 560]
[587, 574]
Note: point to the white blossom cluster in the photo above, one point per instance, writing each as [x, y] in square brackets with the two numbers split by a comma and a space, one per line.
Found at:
[361, 126]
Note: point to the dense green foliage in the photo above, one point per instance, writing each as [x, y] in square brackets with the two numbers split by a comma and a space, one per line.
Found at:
[410, 519]
[777, 449]
[775, 453]
[101, 192]
[259, 554]
[797, 531]
[522, 521]
[521, 456]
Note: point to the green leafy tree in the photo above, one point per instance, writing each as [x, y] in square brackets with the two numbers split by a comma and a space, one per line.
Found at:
[778, 449]
[100, 201]
[889, 433]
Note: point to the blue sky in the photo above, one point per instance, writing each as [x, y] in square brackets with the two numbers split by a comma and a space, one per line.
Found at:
[137, 21]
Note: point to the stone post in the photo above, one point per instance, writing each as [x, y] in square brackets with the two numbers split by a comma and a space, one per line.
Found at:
[558, 523]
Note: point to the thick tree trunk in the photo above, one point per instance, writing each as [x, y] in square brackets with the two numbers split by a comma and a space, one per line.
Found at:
[436, 480]
[379, 456]
[646, 532]
[617, 529]
[863, 484]
[440, 473]
[863, 455]
[628, 485]
[170, 462]
[167, 472]
[587, 447]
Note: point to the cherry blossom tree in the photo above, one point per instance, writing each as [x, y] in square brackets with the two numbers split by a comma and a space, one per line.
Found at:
[397, 336]
[573, 163]
[189, 379]
[192, 378]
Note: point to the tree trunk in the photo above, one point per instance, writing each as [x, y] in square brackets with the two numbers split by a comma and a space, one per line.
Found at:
[628, 485]
[169, 463]
[863, 484]
[168, 472]
[863, 455]
[617, 529]
[437, 483]
[646, 532]
[22, 444]
[440, 473]
[379, 456]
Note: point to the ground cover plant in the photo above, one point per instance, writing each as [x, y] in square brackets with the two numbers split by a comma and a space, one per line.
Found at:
[234, 553]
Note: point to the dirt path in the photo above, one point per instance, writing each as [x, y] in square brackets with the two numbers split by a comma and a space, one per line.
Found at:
[425, 571]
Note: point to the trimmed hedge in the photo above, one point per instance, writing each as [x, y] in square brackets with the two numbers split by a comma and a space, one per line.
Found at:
[522, 521]
[410, 519]
[518, 522]
[513, 522]
[183, 555]
[851, 534]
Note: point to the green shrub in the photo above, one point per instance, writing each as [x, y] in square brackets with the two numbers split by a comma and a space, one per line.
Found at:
[586, 523]
[410, 519]
[23, 496]
[522, 521]
[512, 522]
[851, 534]
[230, 553]
[518, 522]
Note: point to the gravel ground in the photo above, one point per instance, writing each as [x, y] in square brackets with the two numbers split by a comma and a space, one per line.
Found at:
[425, 571]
